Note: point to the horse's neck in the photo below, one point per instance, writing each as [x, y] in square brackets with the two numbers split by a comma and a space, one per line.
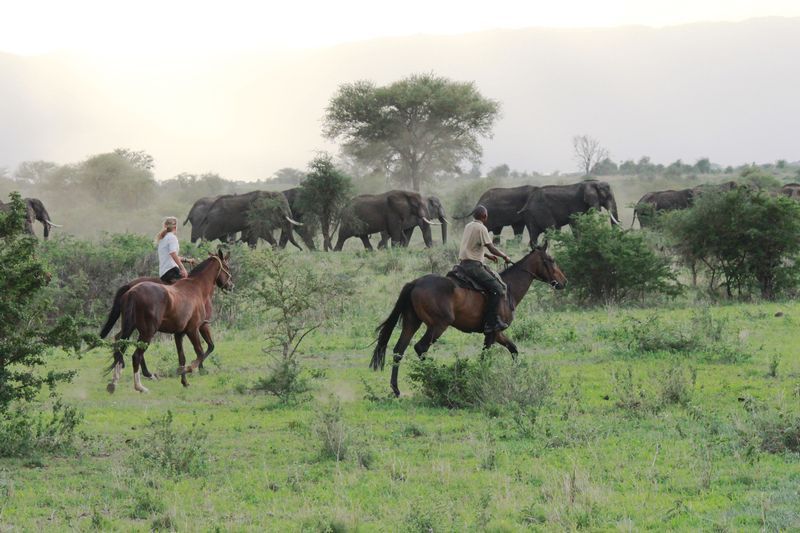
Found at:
[518, 282]
[207, 278]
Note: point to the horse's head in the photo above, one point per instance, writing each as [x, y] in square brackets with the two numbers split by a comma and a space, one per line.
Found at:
[224, 279]
[544, 268]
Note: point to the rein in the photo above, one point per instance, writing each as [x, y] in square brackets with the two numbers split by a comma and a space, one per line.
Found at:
[222, 265]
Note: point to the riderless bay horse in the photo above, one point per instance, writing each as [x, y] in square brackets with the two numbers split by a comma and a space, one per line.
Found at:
[180, 309]
[439, 303]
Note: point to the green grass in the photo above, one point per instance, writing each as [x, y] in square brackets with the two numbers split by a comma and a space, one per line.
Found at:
[584, 463]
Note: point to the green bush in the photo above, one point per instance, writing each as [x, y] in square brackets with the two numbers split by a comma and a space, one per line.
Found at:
[702, 334]
[333, 433]
[26, 336]
[177, 452]
[24, 432]
[747, 240]
[493, 382]
[769, 429]
[607, 265]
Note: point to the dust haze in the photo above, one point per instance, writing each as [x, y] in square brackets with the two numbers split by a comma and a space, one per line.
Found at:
[726, 91]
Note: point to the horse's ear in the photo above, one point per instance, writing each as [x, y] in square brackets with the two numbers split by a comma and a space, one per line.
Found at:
[219, 253]
[544, 246]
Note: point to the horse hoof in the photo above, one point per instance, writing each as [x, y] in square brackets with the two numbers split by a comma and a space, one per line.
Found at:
[111, 388]
[143, 390]
[153, 377]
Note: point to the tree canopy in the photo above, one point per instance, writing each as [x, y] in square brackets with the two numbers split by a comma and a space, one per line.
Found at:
[411, 128]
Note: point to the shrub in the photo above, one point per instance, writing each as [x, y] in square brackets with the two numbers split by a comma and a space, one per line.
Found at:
[178, 452]
[24, 432]
[772, 430]
[25, 334]
[607, 265]
[332, 432]
[284, 379]
[745, 239]
[702, 334]
[492, 382]
[676, 385]
[297, 298]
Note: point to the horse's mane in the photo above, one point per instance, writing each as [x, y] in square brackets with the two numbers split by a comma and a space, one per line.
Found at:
[199, 269]
[517, 264]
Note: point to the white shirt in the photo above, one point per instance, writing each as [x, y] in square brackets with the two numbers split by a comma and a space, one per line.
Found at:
[166, 246]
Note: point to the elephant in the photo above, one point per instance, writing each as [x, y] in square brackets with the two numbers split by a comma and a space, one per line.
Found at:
[198, 212]
[391, 211]
[305, 231]
[229, 214]
[435, 212]
[653, 202]
[505, 207]
[35, 210]
[553, 206]
[792, 190]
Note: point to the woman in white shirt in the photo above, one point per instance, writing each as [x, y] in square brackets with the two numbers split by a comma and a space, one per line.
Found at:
[170, 264]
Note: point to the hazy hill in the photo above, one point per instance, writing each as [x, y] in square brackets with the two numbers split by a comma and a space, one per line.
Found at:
[728, 91]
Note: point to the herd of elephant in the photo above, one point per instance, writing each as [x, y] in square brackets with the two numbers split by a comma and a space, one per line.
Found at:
[395, 214]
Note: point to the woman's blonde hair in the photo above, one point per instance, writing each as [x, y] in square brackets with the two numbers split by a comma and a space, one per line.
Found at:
[170, 223]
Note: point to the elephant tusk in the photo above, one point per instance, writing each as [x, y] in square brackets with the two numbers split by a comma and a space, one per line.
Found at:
[294, 222]
[614, 219]
[432, 223]
[446, 220]
[54, 225]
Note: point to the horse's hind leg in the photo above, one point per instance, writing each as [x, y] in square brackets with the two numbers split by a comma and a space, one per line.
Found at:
[119, 363]
[145, 372]
[431, 335]
[411, 324]
[181, 358]
[138, 355]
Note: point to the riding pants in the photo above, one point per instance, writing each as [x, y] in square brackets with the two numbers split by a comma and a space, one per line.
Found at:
[495, 289]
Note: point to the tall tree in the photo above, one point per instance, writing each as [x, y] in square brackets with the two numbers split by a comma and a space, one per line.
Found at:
[588, 152]
[323, 195]
[413, 127]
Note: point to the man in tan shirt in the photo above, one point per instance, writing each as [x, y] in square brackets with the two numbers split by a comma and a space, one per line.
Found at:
[475, 246]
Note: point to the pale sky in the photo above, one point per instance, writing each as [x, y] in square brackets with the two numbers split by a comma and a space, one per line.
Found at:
[112, 27]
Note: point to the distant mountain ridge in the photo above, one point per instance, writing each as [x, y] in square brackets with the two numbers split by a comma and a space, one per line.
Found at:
[727, 91]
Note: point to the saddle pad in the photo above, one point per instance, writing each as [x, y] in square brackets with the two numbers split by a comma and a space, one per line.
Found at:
[463, 280]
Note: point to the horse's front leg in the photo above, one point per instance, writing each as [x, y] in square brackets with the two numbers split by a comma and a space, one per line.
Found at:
[181, 359]
[502, 339]
[194, 337]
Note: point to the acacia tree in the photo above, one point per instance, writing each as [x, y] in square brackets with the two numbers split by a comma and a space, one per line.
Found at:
[588, 152]
[413, 127]
[323, 194]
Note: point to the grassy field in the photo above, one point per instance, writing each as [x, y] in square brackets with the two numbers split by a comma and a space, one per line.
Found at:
[614, 448]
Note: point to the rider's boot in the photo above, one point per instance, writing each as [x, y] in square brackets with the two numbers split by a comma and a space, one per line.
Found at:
[491, 320]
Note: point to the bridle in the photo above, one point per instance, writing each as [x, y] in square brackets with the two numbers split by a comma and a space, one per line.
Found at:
[222, 266]
[550, 272]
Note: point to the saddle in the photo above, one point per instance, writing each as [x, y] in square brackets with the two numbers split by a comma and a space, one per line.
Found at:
[463, 281]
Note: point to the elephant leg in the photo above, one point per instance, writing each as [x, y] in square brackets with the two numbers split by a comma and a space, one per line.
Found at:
[282, 240]
[384, 242]
[518, 229]
[367, 244]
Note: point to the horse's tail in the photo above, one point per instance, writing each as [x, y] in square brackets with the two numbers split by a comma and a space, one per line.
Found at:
[128, 325]
[387, 326]
[115, 310]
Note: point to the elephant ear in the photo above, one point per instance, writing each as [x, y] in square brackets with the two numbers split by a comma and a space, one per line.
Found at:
[590, 195]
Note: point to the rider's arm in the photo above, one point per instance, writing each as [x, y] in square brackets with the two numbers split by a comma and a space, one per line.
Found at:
[174, 256]
[496, 251]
